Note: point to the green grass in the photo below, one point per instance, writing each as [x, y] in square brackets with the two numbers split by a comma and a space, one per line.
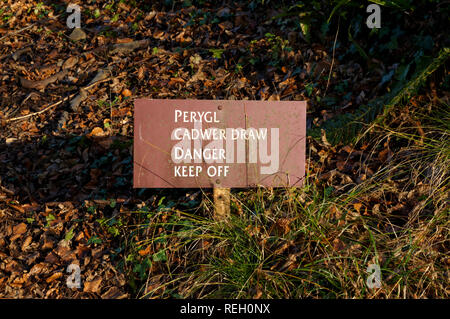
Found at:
[316, 241]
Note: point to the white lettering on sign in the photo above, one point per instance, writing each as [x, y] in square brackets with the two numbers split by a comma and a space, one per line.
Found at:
[191, 117]
[207, 154]
[229, 145]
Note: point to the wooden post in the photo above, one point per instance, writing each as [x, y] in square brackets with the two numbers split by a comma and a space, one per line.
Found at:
[221, 204]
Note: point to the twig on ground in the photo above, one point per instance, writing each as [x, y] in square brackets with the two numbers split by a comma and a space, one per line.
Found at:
[17, 32]
[41, 111]
[55, 104]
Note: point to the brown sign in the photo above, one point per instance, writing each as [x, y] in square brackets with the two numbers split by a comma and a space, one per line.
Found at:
[213, 143]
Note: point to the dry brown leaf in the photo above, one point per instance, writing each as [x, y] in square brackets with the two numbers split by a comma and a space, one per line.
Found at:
[127, 93]
[98, 132]
[338, 244]
[145, 251]
[93, 285]
[129, 46]
[357, 207]
[42, 84]
[383, 155]
[124, 40]
[53, 277]
[19, 230]
[70, 62]
[26, 243]
[114, 293]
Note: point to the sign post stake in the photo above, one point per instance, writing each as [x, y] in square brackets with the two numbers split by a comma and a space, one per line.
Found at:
[221, 203]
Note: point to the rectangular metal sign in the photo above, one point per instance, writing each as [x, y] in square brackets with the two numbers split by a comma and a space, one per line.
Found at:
[219, 143]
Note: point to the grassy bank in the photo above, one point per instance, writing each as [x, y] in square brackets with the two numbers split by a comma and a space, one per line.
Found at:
[381, 201]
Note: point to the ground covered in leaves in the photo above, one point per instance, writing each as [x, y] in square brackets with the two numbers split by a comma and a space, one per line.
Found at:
[66, 128]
